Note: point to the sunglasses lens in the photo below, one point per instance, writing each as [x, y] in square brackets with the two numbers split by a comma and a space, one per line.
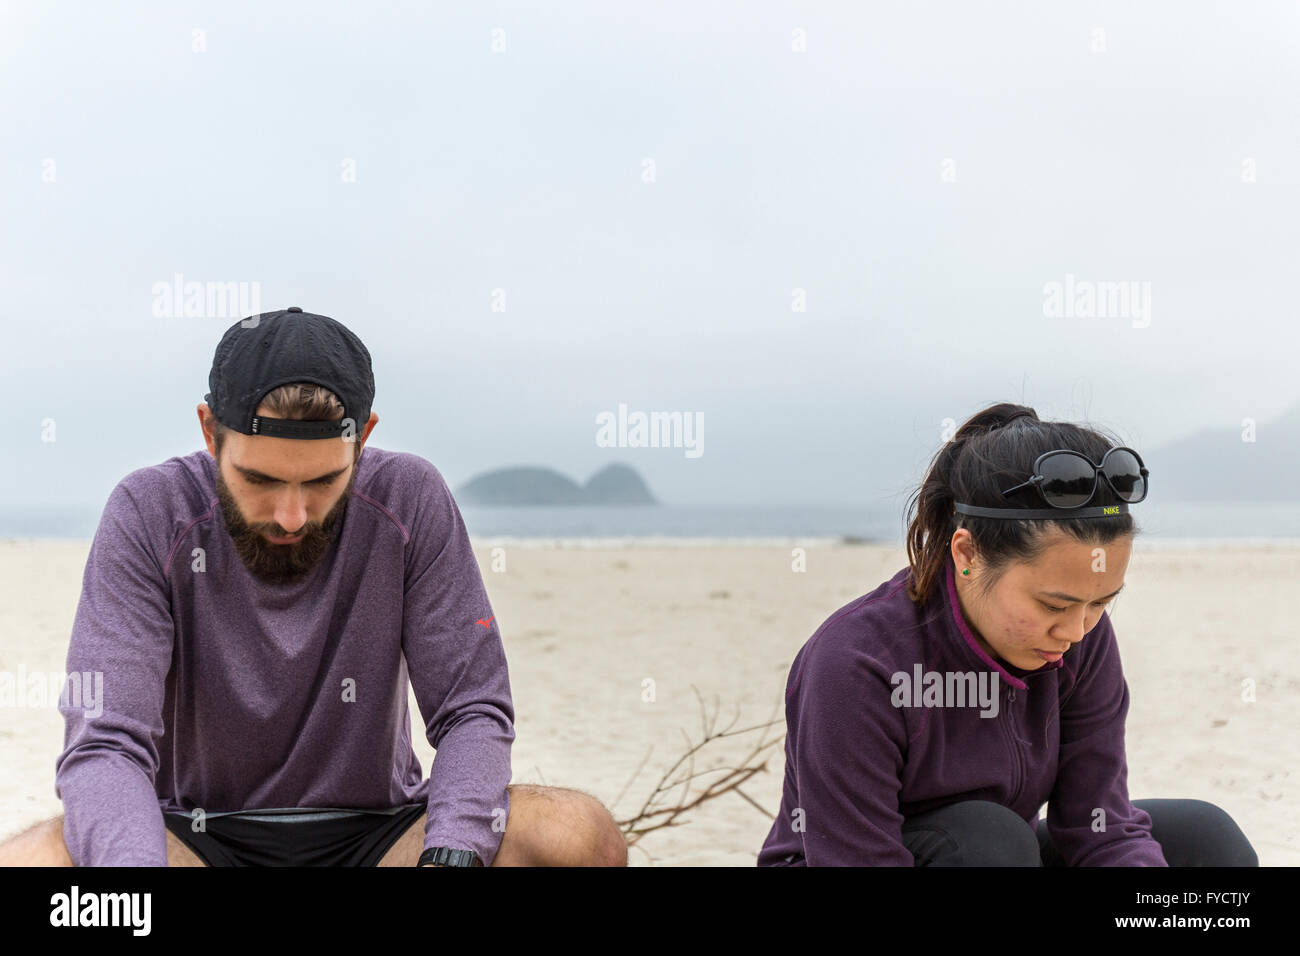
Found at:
[1125, 475]
[1068, 480]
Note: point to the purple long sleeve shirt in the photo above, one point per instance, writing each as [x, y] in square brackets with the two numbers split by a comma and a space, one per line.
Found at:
[859, 759]
[221, 692]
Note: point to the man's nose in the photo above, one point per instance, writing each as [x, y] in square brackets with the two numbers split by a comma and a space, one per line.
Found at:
[290, 512]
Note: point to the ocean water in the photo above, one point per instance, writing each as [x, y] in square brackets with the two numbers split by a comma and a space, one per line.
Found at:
[1164, 522]
[1167, 522]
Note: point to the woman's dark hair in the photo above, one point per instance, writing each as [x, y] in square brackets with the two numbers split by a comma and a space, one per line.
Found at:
[994, 450]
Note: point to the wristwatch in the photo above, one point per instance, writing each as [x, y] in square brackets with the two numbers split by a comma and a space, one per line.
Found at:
[446, 856]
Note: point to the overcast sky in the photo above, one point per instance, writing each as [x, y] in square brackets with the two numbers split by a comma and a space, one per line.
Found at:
[648, 190]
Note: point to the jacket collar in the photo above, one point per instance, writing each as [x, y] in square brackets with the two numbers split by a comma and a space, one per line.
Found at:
[960, 633]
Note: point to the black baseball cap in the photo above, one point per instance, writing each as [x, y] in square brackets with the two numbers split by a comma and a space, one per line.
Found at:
[264, 351]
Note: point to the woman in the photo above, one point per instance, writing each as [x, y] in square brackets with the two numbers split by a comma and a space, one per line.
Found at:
[930, 720]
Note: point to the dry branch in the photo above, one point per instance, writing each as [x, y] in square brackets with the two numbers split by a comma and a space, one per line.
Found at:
[657, 814]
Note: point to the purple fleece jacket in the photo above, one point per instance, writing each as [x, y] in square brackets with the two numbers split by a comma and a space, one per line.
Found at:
[856, 764]
[224, 693]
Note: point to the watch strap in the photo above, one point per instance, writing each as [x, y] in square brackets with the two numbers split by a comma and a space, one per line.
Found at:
[446, 856]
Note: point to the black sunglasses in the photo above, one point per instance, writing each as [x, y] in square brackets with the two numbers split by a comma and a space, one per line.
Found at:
[1068, 479]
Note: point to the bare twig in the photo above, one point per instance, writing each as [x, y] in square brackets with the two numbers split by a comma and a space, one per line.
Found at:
[657, 814]
[636, 774]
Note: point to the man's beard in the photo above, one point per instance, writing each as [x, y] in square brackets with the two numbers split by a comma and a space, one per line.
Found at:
[281, 563]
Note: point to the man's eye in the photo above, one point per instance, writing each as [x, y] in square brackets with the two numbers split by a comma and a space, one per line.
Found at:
[261, 481]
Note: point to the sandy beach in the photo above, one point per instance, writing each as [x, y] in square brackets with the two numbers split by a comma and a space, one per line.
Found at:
[588, 626]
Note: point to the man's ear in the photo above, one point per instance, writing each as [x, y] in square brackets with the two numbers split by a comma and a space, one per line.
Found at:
[370, 426]
[207, 423]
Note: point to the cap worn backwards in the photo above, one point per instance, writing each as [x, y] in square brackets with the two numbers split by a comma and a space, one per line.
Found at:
[262, 352]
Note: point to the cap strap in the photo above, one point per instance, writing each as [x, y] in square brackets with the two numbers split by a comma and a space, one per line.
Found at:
[292, 428]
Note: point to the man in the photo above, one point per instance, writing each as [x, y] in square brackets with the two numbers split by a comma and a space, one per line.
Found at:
[255, 610]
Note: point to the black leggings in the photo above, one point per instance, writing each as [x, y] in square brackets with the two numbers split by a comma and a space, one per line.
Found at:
[981, 833]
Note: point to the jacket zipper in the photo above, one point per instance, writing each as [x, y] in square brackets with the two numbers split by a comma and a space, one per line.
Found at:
[1016, 755]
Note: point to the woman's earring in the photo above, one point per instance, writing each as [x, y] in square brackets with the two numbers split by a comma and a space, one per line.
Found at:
[965, 570]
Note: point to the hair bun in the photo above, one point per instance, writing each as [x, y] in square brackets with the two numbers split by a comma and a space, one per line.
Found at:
[1022, 414]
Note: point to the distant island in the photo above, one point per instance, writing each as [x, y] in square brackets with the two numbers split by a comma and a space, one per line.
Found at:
[510, 487]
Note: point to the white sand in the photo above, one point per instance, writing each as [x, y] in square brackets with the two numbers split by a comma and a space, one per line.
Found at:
[585, 626]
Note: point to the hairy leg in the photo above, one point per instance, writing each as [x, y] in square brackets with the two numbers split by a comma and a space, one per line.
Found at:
[178, 854]
[38, 845]
[406, 851]
[547, 826]
[556, 826]
[42, 845]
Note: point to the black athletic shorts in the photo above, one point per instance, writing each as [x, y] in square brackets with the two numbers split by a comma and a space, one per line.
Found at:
[296, 836]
